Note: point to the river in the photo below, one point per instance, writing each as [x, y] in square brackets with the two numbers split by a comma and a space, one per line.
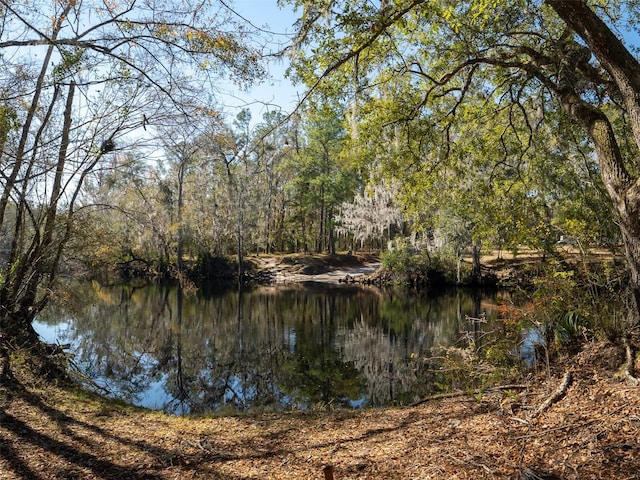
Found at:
[271, 348]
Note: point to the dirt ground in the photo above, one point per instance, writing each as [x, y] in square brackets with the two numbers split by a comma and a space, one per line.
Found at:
[593, 432]
[316, 268]
[505, 265]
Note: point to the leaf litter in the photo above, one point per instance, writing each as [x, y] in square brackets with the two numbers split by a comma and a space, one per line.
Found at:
[592, 432]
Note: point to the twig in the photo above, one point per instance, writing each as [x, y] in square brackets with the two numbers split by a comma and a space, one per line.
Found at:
[557, 395]
[481, 319]
[84, 377]
[513, 386]
[556, 429]
[524, 422]
[441, 396]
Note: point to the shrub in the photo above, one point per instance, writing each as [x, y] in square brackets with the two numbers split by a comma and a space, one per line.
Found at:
[572, 303]
[418, 268]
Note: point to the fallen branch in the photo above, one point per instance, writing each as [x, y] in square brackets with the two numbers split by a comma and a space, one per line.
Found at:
[82, 377]
[529, 474]
[461, 393]
[627, 371]
[557, 395]
[557, 429]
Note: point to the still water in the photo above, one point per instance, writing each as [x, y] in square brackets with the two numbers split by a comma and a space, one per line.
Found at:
[270, 348]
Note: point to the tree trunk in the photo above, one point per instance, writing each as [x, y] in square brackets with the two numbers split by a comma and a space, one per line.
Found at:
[624, 69]
[476, 270]
[17, 332]
[240, 242]
[181, 174]
[632, 254]
[21, 296]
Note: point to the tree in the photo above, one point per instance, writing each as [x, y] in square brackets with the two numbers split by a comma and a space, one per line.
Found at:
[371, 215]
[323, 181]
[126, 229]
[82, 82]
[272, 150]
[535, 61]
[225, 150]
[181, 151]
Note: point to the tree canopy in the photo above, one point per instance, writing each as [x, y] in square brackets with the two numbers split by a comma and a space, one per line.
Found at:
[81, 84]
[485, 96]
[456, 124]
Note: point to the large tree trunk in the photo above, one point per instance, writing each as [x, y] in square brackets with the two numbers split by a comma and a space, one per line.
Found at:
[16, 332]
[624, 69]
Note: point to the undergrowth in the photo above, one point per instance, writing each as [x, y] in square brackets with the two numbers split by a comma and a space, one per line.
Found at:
[567, 306]
[419, 269]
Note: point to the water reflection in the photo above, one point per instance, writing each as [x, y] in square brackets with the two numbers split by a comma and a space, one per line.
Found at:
[275, 347]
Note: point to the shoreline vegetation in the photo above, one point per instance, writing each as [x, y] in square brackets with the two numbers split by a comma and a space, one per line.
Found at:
[502, 269]
[577, 417]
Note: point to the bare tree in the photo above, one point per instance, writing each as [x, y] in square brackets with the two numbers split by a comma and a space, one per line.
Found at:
[82, 82]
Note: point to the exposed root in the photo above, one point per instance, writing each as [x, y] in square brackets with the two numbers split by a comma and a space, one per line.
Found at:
[627, 371]
[557, 395]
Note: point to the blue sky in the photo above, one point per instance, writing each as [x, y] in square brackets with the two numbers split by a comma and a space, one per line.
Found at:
[277, 92]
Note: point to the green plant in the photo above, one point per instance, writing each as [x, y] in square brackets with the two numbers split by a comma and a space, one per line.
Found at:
[567, 328]
[418, 268]
[574, 302]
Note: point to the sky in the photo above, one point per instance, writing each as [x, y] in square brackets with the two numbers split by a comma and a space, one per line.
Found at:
[277, 92]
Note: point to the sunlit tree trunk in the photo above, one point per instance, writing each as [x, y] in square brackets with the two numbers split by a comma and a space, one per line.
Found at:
[623, 187]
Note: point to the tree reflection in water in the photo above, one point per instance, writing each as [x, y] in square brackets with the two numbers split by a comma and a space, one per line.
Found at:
[270, 348]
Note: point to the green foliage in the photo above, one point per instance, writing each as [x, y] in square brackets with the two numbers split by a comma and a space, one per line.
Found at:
[321, 179]
[573, 303]
[8, 121]
[443, 98]
[418, 268]
[69, 64]
[210, 270]
[567, 328]
[401, 260]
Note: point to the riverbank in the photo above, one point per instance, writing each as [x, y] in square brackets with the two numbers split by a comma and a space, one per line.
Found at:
[294, 268]
[593, 431]
[503, 268]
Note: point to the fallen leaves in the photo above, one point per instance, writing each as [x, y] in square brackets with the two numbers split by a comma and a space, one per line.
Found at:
[591, 432]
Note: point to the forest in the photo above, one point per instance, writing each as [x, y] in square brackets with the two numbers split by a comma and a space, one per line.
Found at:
[423, 130]
[431, 132]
